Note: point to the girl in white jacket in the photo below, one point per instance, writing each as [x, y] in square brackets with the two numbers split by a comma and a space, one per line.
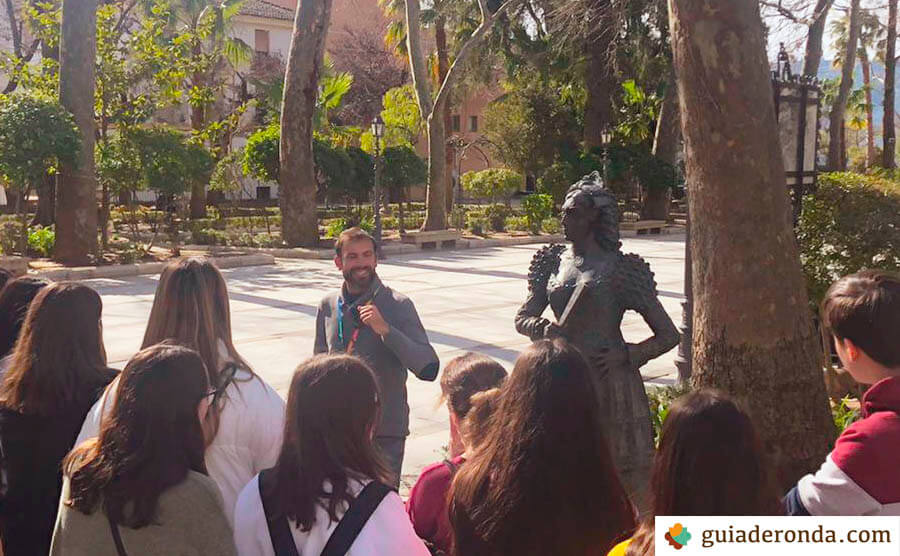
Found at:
[246, 416]
[328, 475]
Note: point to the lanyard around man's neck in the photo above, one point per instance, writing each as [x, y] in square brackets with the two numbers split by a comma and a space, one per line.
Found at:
[340, 316]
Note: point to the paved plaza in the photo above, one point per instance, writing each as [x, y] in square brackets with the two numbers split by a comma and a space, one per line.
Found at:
[466, 299]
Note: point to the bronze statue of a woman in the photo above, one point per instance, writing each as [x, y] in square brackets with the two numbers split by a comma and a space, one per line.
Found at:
[589, 286]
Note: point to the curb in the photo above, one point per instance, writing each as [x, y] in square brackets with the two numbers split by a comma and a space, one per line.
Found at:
[137, 269]
[393, 249]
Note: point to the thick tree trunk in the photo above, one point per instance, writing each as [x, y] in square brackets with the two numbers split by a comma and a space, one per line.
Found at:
[297, 178]
[870, 120]
[835, 155]
[753, 334]
[814, 40]
[888, 131]
[76, 217]
[600, 82]
[665, 147]
[436, 203]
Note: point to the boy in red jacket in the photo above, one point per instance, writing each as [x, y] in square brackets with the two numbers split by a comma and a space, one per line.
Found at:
[859, 477]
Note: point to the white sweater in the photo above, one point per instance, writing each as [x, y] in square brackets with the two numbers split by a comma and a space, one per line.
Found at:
[388, 532]
[248, 440]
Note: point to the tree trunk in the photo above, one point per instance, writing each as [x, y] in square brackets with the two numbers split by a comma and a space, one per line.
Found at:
[665, 147]
[76, 218]
[198, 189]
[753, 333]
[814, 40]
[45, 215]
[600, 82]
[297, 176]
[870, 120]
[443, 59]
[839, 108]
[435, 205]
[888, 131]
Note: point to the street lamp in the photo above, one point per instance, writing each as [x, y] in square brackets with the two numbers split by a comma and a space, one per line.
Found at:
[606, 138]
[378, 133]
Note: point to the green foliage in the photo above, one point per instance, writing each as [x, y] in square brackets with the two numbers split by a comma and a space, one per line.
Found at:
[637, 114]
[568, 168]
[41, 240]
[496, 215]
[533, 123]
[261, 154]
[35, 136]
[537, 208]
[852, 222]
[491, 184]
[517, 224]
[402, 122]
[334, 228]
[661, 399]
[401, 168]
[458, 217]
[844, 414]
[169, 163]
[551, 225]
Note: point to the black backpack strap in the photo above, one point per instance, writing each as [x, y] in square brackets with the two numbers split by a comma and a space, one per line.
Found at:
[279, 528]
[359, 512]
[117, 536]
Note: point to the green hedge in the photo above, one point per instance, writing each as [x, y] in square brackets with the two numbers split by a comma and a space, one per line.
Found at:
[850, 223]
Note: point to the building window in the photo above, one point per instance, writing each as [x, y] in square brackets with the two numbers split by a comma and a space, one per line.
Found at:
[261, 41]
[454, 124]
[473, 123]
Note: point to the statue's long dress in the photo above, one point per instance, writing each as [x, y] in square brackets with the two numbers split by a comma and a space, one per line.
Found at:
[618, 283]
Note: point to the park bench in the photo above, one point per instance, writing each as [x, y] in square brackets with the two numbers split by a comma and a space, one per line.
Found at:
[430, 240]
[644, 226]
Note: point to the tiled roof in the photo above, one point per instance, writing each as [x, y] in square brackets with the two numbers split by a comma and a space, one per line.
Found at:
[268, 10]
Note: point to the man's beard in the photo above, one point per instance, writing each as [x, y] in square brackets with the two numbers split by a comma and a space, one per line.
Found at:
[359, 283]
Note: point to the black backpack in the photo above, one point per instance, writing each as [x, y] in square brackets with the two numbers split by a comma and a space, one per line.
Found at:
[341, 539]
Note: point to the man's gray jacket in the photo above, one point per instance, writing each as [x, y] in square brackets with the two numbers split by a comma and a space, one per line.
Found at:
[404, 347]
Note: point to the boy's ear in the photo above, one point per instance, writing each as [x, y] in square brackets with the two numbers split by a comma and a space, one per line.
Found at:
[852, 349]
[338, 262]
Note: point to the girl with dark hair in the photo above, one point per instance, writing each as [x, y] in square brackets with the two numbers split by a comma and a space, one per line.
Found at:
[141, 487]
[328, 475]
[56, 372]
[543, 480]
[463, 377]
[710, 462]
[15, 297]
[245, 421]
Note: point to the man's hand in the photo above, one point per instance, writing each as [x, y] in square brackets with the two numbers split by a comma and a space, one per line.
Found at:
[371, 317]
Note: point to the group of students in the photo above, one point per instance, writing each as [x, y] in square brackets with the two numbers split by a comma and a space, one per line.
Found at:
[187, 451]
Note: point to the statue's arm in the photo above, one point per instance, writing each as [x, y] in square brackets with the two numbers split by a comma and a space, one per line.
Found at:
[641, 296]
[528, 319]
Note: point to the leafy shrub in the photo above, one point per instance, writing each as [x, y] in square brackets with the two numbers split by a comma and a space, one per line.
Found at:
[492, 184]
[850, 223]
[551, 225]
[537, 208]
[496, 216]
[335, 227]
[41, 241]
[661, 400]
[844, 414]
[207, 236]
[10, 237]
[261, 154]
[517, 223]
[458, 217]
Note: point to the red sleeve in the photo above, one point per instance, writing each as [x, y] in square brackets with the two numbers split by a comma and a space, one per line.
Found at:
[428, 500]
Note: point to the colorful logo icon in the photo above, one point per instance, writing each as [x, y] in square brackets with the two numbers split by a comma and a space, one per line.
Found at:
[678, 536]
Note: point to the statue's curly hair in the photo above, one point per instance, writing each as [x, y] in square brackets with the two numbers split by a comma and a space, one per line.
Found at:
[606, 226]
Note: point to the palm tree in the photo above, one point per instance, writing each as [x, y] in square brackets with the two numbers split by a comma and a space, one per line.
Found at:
[836, 154]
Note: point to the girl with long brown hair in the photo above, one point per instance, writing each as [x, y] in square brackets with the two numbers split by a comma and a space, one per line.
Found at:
[247, 416]
[542, 481]
[328, 469]
[463, 378]
[141, 488]
[709, 462]
[56, 372]
[15, 297]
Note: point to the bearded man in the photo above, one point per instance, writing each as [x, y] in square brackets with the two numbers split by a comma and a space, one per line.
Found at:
[372, 321]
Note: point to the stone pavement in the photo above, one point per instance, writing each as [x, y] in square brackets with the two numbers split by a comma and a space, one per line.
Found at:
[466, 300]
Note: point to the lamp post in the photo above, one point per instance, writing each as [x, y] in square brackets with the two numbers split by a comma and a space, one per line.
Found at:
[377, 133]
